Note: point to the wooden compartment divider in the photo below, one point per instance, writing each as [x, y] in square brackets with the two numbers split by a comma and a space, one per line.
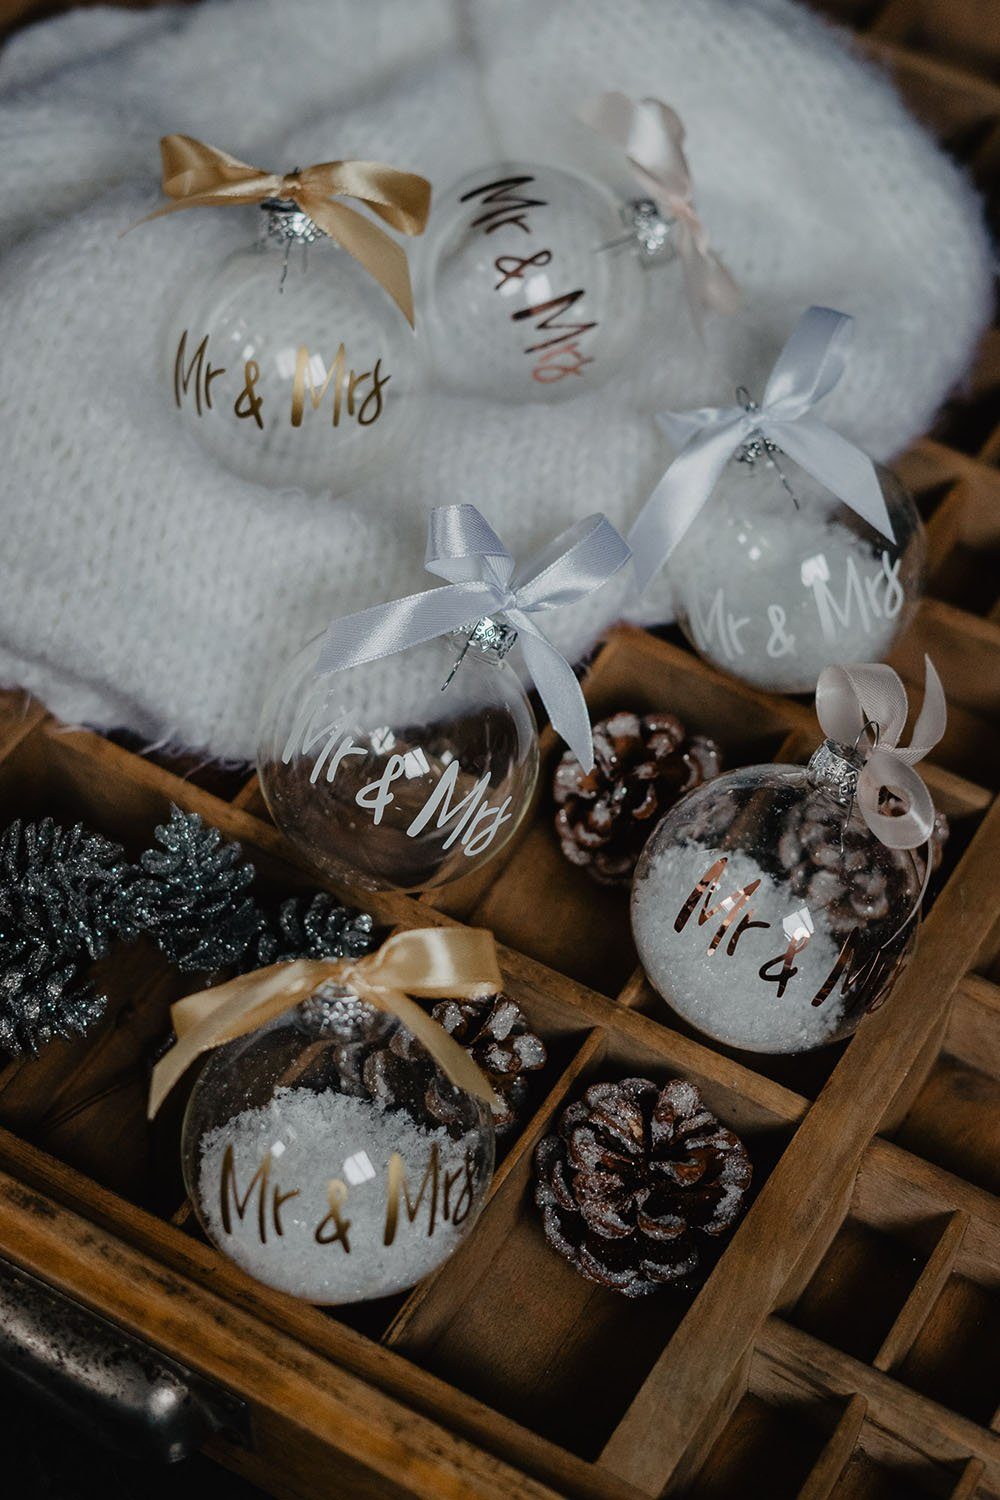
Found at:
[845, 1344]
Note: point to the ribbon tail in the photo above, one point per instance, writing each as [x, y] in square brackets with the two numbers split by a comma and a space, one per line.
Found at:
[240, 194]
[678, 499]
[209, 1018]
[932, 720]
[707, 284]
[558, 689]
[837, 464]
[693, 272]
[370, 246]
[453, 1060]
[384, 629]
[719, 289]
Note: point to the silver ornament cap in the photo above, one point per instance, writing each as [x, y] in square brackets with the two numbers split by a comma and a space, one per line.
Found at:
[287, 224]
[650, 228]
[835, 768]
[492, 637]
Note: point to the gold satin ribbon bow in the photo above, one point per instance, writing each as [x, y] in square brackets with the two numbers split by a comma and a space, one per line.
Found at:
[434, 963]
[200, 176]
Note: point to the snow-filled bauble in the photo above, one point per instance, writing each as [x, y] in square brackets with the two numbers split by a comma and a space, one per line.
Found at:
[767, 913]
[531, 283]
[422, 784]
[788, 549]
[773, 589]
[294, 362]
[774, 905]
[321, 1171]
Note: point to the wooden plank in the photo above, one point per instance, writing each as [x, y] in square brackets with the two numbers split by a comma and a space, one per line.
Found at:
[298, 1400]
[931, 1431]
[835, 1456]
[896, 1190]
[968, 1484]
[650, 1440]
[916, 1310]
[165, 1248]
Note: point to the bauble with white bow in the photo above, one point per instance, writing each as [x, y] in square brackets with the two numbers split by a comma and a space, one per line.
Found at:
[405, 772]
[787, 548]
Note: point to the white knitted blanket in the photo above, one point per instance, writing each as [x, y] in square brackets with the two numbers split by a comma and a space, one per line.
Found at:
[145, 587]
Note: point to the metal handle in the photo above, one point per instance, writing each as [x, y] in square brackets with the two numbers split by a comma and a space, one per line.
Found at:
[98, 1376]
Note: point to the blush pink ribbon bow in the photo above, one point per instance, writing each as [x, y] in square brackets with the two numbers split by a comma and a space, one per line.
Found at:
[651, 135]
[850, 698]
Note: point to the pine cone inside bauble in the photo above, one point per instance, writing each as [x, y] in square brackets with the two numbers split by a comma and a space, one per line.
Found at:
[635, 1179]
[494, 1032]
[829, 864]
[642, 765]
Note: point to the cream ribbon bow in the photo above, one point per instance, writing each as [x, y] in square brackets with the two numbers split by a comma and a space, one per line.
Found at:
[848, 699]
[196, 175]
[652, 136]
[434, 963]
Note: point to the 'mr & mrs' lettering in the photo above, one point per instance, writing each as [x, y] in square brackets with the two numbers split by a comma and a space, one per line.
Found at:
[473, 820]
[554, 335]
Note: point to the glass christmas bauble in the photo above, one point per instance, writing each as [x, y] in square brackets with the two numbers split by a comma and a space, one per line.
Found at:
[290, 364]
[402, 773]
[767, 914]
[529, 288]
[773, 589]
[325, 1172]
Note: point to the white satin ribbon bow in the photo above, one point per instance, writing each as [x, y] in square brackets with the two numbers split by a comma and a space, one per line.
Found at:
[848, 699]
[464, 549]
[806, 370]
[651, 135]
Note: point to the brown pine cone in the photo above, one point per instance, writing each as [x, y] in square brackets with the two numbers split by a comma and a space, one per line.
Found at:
[642, 765]
[634, 1178]
[494, 1032]
[848, 884]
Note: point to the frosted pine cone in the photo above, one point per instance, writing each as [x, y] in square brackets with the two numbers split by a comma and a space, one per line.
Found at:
[634, 1179]
[642, 765]
[496, 1035]
[830, 866]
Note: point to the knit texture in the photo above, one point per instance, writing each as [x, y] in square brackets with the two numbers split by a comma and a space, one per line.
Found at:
[147, 587]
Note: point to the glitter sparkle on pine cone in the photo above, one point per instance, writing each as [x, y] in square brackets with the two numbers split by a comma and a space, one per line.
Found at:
[635, 1178]
[642, 765]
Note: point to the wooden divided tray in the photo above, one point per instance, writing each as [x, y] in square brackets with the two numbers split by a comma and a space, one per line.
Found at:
[847, 1341]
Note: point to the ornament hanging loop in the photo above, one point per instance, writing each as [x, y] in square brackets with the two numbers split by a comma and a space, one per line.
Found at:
[758, 446]
[491, 637]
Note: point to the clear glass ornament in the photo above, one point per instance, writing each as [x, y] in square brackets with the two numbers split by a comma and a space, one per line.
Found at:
[531, 281]
[420, 785]
[319, 1177]
[772, 588]
[766, 912]
[290, 364]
